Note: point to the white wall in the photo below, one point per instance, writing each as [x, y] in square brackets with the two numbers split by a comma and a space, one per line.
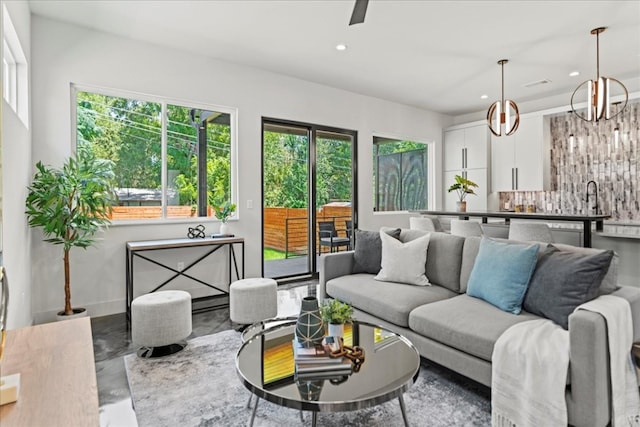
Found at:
[64, 54]
[16, 175]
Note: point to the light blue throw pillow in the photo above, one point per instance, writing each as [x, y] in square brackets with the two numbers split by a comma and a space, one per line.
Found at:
[501, 273]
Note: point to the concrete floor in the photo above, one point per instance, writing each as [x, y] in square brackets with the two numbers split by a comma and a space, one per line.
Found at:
[112, 341]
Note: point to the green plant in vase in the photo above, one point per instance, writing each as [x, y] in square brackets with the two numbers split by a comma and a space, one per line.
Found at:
[462, 186]
[223, 213]
[336, 313]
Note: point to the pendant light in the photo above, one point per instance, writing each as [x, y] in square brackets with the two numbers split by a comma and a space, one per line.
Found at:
[598, 91]
[503, 116]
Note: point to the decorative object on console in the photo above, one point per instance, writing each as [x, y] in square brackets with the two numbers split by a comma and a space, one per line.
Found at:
[462, 186]
[336, 313]
[9, 384]
[503, 115]
[599, 91]
[309, 327]
[223, 213]
[71, 205]
[196, 232]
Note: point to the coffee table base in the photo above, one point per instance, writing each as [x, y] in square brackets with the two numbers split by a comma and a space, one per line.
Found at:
[314, 414]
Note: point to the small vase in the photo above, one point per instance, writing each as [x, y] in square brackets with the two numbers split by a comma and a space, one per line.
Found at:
[309, 327]
[224, 228]
[461, 206]
[336, 329]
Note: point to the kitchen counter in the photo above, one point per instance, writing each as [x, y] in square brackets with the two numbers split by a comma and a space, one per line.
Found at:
[586, 220]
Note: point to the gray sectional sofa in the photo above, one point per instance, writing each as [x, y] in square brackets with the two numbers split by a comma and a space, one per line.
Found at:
[458, 331]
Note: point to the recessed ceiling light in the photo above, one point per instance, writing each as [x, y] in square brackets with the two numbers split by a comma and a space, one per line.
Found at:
[484, 96]
[574, 73]
[341, 46]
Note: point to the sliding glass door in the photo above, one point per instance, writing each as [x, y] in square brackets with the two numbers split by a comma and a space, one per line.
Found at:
[308, 178]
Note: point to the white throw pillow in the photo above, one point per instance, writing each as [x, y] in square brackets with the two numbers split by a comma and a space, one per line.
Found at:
[404, 262]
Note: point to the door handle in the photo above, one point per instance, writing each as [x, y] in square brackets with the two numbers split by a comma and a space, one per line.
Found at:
[512, 180]
[517, 178]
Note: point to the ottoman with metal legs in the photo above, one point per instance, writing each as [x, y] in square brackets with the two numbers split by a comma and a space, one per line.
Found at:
[161, 322]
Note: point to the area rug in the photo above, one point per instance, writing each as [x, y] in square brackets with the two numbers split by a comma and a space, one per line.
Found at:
[199, 386]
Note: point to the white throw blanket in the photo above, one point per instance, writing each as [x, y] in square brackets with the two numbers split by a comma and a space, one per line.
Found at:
[529, 370]
[625, 405]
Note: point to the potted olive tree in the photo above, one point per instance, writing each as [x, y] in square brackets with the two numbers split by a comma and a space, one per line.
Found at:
[71, 205]
[462, 186]
[336, 313]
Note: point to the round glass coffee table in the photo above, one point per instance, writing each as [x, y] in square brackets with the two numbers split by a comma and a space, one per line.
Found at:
[266, 367]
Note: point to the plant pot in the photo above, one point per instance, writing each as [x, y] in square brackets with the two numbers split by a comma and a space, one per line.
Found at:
[309, 327]
[461, 206]
[336, 330]
[77, 313]
[224, 228]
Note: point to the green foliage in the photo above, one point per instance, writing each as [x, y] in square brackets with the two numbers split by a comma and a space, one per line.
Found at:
[71, 204]
[225, 211]
[463, 187]
[129, 133]
[337, 312]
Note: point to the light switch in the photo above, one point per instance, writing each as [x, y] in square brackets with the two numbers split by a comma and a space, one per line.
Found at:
[249, 204]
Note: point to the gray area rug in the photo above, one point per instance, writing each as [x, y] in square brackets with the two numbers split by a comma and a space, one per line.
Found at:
[199, 386]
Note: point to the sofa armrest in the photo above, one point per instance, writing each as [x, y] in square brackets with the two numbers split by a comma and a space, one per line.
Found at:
[632, 295]
[589, 369]
[333, 265]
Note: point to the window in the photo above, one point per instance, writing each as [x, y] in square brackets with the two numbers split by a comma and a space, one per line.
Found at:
[14, 70]
[400, 174]
[170, 160]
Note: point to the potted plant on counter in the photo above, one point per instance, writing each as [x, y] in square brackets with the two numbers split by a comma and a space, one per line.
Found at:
[462, 186]
[71, 205]
[335, 314]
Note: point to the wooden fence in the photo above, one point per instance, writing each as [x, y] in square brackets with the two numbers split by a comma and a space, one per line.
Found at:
[285, 229]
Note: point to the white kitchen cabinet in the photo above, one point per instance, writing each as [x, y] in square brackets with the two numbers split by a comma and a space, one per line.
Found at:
[466, 153]
[519, 162]
[466, 148]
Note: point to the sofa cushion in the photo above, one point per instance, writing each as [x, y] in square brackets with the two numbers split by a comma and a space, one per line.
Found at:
[368, 251]
[443, 258]
[465, 323]
[610, 280]
[501, 273]
[403, 262]
[564, 280]
[387, 300]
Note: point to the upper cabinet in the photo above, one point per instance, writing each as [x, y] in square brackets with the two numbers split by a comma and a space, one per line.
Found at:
[466, 148]
[520, 162]
[466, 153]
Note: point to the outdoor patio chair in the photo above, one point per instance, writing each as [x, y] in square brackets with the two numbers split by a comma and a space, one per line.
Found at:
[328, 236]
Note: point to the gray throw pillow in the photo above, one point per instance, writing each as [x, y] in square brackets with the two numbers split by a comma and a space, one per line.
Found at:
[564, 280]
[368, 251]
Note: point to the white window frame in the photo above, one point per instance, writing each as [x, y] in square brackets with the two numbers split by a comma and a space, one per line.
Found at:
[15, 77]
[164, 101]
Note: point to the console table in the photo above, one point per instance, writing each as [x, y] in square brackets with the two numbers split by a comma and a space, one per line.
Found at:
[586, 220]
[58, 385]
[212, 245]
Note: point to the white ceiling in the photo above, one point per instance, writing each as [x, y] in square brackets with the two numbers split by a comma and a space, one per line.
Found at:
[437, 55]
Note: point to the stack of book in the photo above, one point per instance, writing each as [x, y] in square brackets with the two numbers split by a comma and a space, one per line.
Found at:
[316, 362]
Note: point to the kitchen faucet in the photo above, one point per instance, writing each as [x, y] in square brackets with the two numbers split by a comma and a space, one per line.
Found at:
[595, 207]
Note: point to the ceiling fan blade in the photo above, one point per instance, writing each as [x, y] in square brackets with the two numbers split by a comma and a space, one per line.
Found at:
[359, 10]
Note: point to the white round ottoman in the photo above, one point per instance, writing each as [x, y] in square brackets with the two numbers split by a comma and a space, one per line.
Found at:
[160, 322]
[252, 300]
